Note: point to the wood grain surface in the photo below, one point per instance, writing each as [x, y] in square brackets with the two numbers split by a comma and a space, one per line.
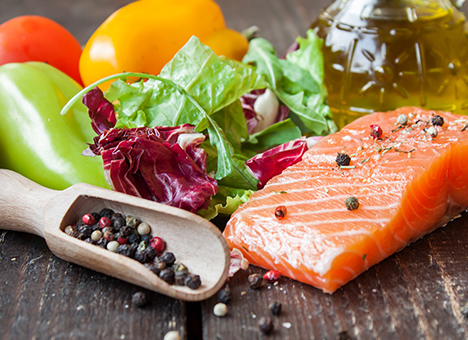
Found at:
[419, 293]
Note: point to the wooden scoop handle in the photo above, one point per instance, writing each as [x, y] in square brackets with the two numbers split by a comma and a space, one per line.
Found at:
[22, 203]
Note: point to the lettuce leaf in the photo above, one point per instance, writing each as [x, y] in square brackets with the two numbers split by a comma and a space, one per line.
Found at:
[225, 202]
[297, 81]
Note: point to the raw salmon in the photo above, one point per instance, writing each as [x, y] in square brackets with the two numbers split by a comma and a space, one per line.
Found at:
[411, 180]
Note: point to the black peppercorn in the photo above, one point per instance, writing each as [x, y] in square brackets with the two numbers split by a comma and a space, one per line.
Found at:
[116, 216]
[141, 256]
[344, 336]
[75, 234]
[80, 223]
[343, 159]
[265, 324]
[256, 281]
[224, 295]
[180, 278]
[146, 238]
[84, 232]
[169, 258]
[102, 242]
[117, 220]
[160, 264]
[125, 231]
[95, 226]
[133, 238]
[150, 252]
[167, 275]
[126, 250]
[153, 268]
[275, 308]
[437, 120]
[352, 203]
[106, 212]
[96, 216]
[192, 281]
[140, 299]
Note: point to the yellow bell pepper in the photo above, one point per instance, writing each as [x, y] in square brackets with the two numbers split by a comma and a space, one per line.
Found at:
[144, 35]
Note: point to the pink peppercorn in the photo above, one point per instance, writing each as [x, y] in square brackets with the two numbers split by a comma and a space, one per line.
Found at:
[280, 212]
[88, 219]
[122, 240]
[105, 222]
[272, 276]
[158, 244]
[376, 131]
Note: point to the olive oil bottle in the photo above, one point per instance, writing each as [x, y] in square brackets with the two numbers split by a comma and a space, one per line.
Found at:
[384, 54]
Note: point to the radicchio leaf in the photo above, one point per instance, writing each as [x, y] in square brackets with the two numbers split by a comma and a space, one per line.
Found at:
[161, 164]
[266, 165]
[100, 110]
[252, 117]
[237, 262]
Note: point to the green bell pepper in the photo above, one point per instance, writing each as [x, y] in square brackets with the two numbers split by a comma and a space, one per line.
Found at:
[35, 140]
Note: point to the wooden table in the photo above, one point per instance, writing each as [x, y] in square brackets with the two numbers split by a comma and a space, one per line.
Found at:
[418, 293]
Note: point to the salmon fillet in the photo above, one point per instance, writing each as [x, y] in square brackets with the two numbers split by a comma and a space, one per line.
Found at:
[408, 182]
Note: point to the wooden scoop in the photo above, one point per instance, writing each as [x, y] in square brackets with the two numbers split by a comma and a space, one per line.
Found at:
[28, 207]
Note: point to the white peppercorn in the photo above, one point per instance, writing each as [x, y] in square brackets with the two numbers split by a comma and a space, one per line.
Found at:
[69, 230]
[432, 131]
[113, 246]
[402, 119]
[96, 235]
[220, 309]
[143, 228]
[172, 335]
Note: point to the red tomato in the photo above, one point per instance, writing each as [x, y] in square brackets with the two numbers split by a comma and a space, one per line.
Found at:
[36, 38]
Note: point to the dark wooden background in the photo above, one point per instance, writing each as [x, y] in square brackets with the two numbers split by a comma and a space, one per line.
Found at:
[419, 293]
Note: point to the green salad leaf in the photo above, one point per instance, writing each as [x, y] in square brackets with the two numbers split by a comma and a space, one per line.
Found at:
[225, 202]
[297, 81]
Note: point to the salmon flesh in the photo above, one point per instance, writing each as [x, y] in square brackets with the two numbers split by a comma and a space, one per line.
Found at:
[408, 181]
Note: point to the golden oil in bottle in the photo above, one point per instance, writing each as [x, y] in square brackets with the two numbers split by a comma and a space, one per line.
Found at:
[384, 54]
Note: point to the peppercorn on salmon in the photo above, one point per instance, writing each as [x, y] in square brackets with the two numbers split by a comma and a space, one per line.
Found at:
[408, 178]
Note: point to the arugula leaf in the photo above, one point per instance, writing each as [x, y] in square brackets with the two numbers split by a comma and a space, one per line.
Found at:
[297, 85]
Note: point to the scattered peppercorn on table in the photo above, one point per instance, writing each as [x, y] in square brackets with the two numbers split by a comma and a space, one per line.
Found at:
[421, 292]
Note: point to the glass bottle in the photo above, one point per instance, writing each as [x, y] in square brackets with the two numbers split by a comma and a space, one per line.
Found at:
[383, 54]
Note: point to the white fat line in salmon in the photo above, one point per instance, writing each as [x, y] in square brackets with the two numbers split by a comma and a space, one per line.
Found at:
[342, 184]
[372, 221]
[375, 176]
[398, 190]
[363, 208]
